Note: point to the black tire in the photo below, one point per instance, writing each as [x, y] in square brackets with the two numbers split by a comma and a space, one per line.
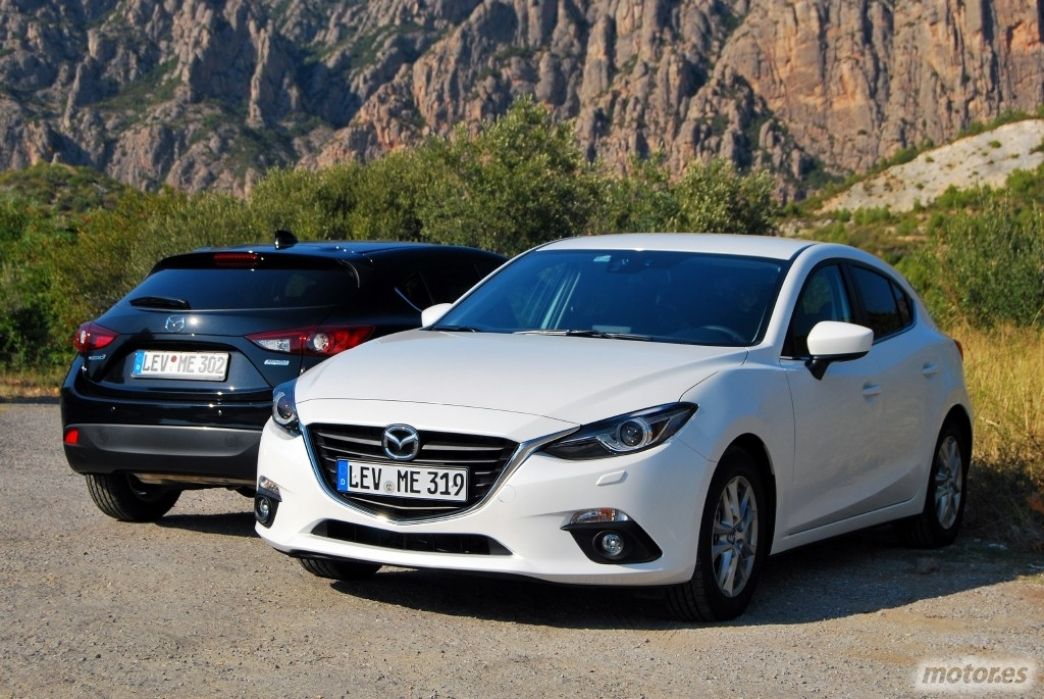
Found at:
[702, 599]
[340, 569]
[926, 530]
[127, 499]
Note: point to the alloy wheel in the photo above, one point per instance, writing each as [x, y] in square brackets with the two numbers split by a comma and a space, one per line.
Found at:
[948, 481]
[734, 540]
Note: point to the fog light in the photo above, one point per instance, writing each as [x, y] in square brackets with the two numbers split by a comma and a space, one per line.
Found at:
[610, 544]
[265, 509]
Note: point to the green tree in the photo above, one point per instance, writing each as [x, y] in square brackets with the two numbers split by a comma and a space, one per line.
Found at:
[387, 196]
[520, 182]
[716, 198]
[641, 201]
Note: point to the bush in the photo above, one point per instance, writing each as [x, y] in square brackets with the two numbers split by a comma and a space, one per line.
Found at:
[992, 265]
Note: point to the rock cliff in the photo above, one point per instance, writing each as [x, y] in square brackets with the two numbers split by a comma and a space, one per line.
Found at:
[210, 93]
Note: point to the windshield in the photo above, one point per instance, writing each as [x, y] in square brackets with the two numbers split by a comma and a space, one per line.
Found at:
[660, 296]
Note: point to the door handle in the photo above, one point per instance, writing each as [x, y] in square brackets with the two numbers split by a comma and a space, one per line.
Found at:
[929, 369]
[870, 390]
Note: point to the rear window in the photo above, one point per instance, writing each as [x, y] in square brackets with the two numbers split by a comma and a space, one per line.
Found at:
[234, 289]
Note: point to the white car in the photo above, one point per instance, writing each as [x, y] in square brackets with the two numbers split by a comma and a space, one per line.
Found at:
[647, 410]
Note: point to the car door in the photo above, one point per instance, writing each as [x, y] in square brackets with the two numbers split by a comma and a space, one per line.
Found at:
[836, 418]
[904, 367]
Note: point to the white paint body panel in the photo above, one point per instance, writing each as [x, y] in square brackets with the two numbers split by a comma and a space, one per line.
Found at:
[840, 459]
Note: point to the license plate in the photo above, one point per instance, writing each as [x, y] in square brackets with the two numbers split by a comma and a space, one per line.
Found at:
[403, 481]
[192, 366]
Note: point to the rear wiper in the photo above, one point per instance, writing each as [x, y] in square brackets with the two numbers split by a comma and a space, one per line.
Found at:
[601, 334]
[160, 302]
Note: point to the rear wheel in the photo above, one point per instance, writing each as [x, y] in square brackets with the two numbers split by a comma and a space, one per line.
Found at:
[733, 543]
[938, 523]
[127, 499]
[340, 569]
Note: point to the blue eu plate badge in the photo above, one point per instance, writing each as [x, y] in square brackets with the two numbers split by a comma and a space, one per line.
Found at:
[343, 469]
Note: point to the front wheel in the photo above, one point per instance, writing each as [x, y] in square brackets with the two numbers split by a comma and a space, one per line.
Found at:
[339, 569]
[127, 499]
[733, 543]
[938, 523]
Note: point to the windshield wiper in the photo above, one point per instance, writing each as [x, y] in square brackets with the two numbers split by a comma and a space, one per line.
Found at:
[160, 302]
[456, 329]
[601, 334]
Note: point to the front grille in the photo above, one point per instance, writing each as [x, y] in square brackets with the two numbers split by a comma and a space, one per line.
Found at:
[484, 457]
[470, 544]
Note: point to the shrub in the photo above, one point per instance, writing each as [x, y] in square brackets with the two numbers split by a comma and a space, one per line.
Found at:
[992, 265]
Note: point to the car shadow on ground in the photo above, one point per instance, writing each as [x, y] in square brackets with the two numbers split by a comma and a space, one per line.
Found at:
[855, 574]
[227, 523]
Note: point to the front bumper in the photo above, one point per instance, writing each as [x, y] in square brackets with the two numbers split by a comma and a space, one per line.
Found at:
[661, 489]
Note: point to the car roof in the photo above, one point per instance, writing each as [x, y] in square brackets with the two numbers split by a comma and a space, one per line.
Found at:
[715, 243]
[336, 249]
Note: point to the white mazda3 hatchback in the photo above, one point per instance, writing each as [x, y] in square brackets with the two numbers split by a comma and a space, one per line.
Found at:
[648, 410]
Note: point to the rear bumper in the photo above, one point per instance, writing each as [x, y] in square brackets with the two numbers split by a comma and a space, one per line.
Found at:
[184, 437]
[156, 449]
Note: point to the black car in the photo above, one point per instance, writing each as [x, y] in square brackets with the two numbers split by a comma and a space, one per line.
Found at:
[171, 386]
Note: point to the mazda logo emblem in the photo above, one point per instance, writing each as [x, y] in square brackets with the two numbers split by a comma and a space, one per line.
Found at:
[174, 324]
[401, 442]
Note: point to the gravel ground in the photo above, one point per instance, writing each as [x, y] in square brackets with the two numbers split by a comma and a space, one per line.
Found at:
[198, 606]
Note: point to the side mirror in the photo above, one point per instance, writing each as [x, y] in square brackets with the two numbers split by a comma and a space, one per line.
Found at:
[831, 341]
[432, 314]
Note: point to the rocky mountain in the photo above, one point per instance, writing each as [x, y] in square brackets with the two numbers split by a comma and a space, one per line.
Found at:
[209, 93]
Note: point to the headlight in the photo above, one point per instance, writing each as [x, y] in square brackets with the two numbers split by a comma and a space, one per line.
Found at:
[284, 407]
[623, 434]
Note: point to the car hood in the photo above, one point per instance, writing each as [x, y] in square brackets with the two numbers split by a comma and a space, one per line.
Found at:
[573, 379]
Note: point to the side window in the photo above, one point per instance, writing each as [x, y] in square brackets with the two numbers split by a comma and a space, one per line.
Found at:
[879, 304]
[822, 298]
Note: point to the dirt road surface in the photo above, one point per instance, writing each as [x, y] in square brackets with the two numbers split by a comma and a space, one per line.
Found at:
[198, 606]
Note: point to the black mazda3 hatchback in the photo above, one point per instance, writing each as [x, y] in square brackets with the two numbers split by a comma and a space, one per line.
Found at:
[171, 386]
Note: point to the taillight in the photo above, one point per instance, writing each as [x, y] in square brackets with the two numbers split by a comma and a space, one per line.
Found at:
[320, 341]
[72, 436]
[960, 347]
[91, 336]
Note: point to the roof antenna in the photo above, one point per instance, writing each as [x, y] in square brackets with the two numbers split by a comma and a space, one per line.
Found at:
[284, 239]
